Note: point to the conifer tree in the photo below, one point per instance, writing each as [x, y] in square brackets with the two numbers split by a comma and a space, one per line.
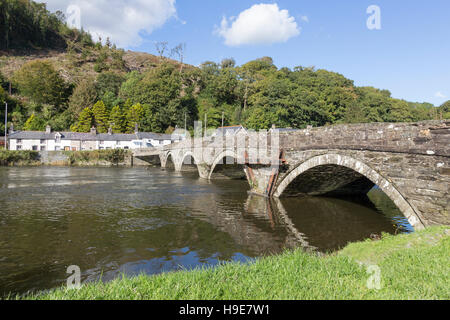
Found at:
[101, 118]
[85, 121]
[134, 116]
[117, 120]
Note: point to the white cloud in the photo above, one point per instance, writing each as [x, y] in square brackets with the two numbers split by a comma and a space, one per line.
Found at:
[121, 20]
[260, 24]
[305, 18]
[440, 95]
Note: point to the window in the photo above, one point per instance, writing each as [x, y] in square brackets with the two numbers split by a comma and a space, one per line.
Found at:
[42, 148]
[19, 141]
[102, 142]
[118, 143]
[19, 147]
[35, 148]
[126, 148]
[58, 139]
[57, 148]
[42, 141]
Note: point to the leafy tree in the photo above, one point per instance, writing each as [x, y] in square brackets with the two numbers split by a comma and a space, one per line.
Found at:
[42, 83]
[445, 110]
[399, 112]
[34, 124]
[84, 96]
[108, 82]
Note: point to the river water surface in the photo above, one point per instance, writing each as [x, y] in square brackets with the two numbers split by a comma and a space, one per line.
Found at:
[110, 221]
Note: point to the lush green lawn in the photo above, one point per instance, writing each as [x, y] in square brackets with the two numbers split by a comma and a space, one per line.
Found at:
[414, 266]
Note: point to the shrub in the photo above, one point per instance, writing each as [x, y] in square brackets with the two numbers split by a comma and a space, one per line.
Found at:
[9, 157]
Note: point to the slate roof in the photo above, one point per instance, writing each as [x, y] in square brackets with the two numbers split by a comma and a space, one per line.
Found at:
[284, 129]
[38, 135]
[228, 130]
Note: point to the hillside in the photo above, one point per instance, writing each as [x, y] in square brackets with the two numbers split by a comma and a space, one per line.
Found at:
[60, 77]
[73, 67]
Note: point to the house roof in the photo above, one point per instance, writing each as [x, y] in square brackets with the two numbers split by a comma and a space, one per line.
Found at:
[284, 129]
[38, 135]
[229, 130]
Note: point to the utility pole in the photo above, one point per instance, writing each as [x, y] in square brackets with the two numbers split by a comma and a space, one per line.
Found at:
[6, 124]
[185, 124]
[206, 119]
[223, 113]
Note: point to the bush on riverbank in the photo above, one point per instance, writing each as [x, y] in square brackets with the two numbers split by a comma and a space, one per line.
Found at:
[9, 157]
[412, 266]
[113, 156]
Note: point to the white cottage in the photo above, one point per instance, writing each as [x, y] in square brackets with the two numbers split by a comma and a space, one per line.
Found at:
[76, 141]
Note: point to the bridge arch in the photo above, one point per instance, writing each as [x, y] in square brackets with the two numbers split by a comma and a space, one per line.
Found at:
[360, 167]
[220, 157]
[168, 158]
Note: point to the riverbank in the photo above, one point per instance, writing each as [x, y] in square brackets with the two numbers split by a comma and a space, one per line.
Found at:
[412, 266]
[99, 158]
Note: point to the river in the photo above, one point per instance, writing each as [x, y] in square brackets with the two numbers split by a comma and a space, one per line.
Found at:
[112, 221]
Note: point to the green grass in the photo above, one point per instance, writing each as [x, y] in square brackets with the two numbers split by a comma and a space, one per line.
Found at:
[413, 266]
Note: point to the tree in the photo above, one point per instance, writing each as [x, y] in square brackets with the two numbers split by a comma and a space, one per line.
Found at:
[444, 110]
[399, 112]
[134, 116]
[117, 120]
[101, 117]
[179, 52]
[84, 96]
[85, 121]
[34, 124]
[161, 48]
[39, 81]
[108, 82]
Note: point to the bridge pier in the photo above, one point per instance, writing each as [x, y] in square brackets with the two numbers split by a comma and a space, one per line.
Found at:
[262, 179]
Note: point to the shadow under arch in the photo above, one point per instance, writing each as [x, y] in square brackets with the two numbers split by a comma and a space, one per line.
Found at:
[169, 161]
[189, 162]
[358, 167]
[225, 165]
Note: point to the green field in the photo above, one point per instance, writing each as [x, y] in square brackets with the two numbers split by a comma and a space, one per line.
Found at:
[412, 266]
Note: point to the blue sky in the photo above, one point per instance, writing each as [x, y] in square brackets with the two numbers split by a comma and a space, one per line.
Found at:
[409, 55]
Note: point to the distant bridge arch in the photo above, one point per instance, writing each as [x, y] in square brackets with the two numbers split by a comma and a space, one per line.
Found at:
[219, 158]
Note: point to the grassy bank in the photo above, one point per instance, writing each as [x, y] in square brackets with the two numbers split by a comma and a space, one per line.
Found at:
[413, 266]
[21, 158]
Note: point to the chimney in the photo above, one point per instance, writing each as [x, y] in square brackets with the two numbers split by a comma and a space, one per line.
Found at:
[11, 129]
[48, 129]
[93, 131]
[110, 130]
[274, 126]
[136, 128]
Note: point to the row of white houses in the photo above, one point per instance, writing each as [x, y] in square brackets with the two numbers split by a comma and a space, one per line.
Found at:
[77, 141]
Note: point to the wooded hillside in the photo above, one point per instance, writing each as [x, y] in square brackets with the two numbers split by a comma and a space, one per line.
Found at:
[52, 74]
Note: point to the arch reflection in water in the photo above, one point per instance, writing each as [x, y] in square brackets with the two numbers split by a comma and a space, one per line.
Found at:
[327, 224]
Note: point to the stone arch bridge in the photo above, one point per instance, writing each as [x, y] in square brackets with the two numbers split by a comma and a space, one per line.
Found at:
[409, 162]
